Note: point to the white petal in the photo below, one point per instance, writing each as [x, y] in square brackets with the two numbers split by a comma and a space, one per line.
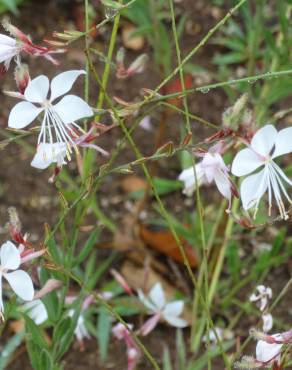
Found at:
[22, 115]
[156, 296]
[176, 321]
[37, 89]
[21, 284]
[173, 308]
[37, 311]
[6, 40]
[146, 301]
[7, 52]
[62, 83]
[71, 108]
[267, 322]
[267, 351]
[283, 143]
[49, 153]
[223, 184]
[245, 162]
[1, 299]
[252, 189]
[9, 256]
[188, 177]
[264, 140]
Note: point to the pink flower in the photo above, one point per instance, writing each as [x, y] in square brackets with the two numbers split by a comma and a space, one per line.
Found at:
[20, 43]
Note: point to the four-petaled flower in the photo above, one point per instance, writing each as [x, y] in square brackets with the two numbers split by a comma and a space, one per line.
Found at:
[159, 308]
[19, 280]
[266, 145]
[59, 118]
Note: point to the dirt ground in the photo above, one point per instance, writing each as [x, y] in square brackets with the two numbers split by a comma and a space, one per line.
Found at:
[27, 190]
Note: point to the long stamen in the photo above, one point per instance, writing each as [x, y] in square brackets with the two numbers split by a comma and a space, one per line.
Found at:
[59, 133]
[281, 173]
[281, 185]
[277, 193]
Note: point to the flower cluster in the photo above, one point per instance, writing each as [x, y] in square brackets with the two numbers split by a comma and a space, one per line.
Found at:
[266, 145]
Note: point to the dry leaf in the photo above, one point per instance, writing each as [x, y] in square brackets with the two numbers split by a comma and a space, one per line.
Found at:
[132, 42]
[133, 183]
[162, 240]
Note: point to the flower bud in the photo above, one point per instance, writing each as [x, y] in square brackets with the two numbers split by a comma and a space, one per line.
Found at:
[22, 77]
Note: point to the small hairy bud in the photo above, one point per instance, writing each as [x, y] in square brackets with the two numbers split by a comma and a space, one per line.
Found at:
[22, 77]
[233, 115]
[247, 362]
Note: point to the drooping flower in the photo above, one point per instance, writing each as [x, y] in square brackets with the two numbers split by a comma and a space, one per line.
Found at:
[80, 331]
[19, 280]
[36, 310]
[11, 47]
[160, 309]
[263, 296]
[47, 154]
[266, 145]
[58, 122]
[211, 169]
[121, 332]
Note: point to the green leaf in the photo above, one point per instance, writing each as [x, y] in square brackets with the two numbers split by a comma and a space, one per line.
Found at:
[166, 359]
[35, 332]
[230, 58]
[104, 324]
[9, 348]
[87, 247]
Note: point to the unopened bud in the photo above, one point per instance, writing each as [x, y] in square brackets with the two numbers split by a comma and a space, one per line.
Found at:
[22, 77]
[248, 362]
[138, 66]
[50, 285]
[233, 115]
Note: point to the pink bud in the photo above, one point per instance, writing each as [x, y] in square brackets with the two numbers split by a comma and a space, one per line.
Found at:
[22, 77]
[50, 285]
[119, 278]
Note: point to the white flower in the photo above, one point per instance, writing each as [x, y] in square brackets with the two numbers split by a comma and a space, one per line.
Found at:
[211, 169]
[8, 49]
[49, 153]
[266, 145]
[157, 305]
[267, 352]
[263, 296]
[80, 330]
[58, 123]
[267, 322]
[19, 281]
[36, 310]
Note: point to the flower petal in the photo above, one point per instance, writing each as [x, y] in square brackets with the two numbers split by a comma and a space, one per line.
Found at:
[1, 299]
[156, 296]
[6, 40]
[37, 89]
[246, 161]
[264, 140]
[9, 256]
[36, 310]
[146, 301]
[7, 52]
[188, 177]
[223, 184]
[49, 153]
[173, 308]
[176, 321]
[253, 188]
[62, 83]
[283, 143]
[265, 352]
[22, 115]
[71, 108]
[21, 284]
